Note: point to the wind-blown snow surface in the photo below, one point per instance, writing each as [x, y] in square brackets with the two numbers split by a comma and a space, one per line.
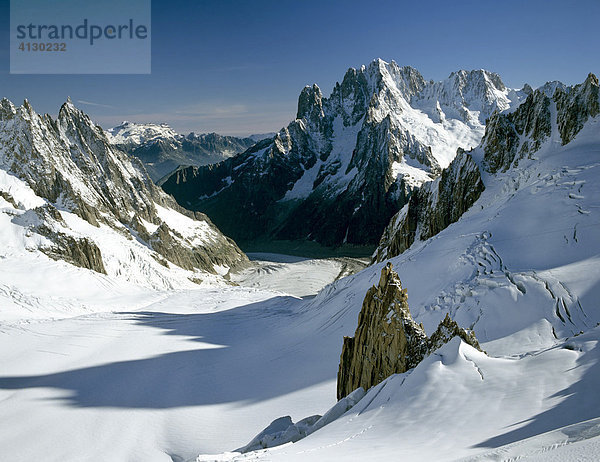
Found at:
[182, 373]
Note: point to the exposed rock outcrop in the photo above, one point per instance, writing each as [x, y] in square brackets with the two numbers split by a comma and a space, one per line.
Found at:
[82, 252]
[433, 207]
[47, 221]
[575, 105]
[387, 340]
[504, 132]
[447, 330]
[511, 137]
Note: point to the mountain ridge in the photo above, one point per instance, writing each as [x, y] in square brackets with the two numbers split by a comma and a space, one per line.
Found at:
[347, 164]
[89, 195]
[509, 138]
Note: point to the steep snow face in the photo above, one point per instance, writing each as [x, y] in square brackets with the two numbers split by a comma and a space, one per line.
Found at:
[349, 161]
[162, 150]
[69, 194]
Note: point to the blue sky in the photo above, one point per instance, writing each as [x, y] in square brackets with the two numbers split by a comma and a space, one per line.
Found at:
[238, 67]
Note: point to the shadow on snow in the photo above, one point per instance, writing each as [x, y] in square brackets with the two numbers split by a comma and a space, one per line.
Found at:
[259, 351]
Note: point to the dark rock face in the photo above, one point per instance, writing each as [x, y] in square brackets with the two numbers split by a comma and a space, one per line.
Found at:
[504, 132]
[510, 137]
[334, 175]
[78, 251]
[575, 105]
[447, 330]
[387, 340]
[433, 207]
[70, 163]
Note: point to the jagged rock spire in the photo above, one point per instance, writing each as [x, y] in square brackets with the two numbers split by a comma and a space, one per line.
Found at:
[387, 340]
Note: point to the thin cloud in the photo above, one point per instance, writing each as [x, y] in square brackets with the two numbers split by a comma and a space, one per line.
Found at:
[90, 103]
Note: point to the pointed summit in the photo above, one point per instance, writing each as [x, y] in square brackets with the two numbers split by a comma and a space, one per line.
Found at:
[310, 103]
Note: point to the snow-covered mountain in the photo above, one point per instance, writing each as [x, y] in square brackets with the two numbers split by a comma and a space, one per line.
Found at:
[162, 150]
[67, 193]
[340, 171]
[509, 138]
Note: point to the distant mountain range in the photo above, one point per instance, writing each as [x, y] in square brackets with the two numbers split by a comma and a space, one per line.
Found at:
[162, 150]
[350, 161]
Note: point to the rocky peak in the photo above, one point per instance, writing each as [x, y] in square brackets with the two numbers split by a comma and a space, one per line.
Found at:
[7, 109]
[447, 329]
[527, 90]
[370, 87]
[509, 137]
[350, 161]
[549, 88]
[478, 80]
[408, 80]
[310, 104]
[350, 98]
[575, 105]
[387, 340]
[479, 91]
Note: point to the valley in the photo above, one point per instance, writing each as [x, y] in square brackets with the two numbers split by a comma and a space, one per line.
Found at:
[134, 329]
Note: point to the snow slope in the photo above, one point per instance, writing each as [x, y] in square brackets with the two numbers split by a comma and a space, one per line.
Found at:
[522, 268]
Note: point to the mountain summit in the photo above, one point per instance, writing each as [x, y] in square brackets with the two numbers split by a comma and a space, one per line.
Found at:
[350, 161]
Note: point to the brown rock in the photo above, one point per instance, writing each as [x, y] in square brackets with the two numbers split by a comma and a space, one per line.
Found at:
[387, 340]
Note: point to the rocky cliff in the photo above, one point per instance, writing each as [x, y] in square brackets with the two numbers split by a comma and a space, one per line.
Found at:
[387, 340]
[349, 161]
[432, 207]
[72, 168]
